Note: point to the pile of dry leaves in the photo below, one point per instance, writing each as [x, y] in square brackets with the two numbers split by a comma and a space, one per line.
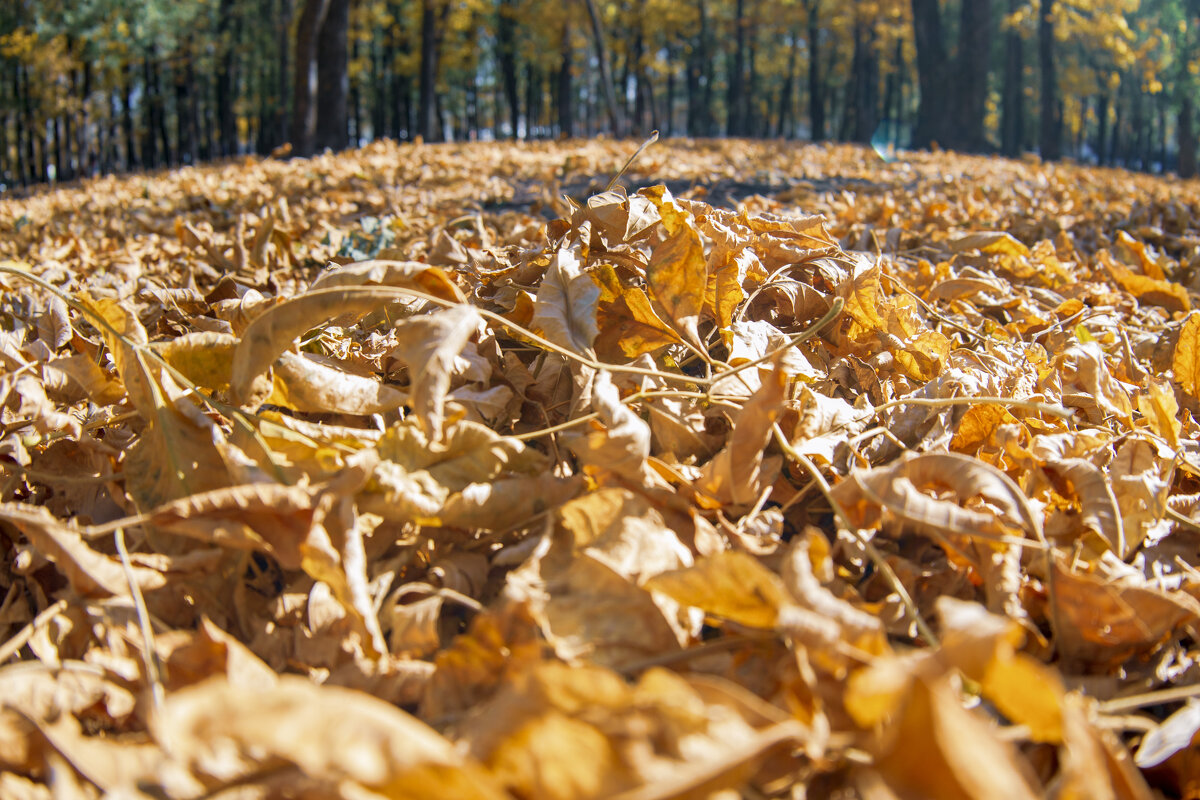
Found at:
[666, 493]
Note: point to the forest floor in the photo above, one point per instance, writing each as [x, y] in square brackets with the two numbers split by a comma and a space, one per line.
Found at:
[438, 471]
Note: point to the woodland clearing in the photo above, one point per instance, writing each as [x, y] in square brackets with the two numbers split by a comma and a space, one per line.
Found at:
[777, 470]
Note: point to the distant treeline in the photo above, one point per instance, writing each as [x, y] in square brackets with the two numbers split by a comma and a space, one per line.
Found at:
[92, 86]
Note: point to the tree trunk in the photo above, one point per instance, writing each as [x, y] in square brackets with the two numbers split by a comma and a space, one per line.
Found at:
[932, 69]
[816, 87]
[971, 85]
[863, 103]
[735, 98]
[427, 125]
[7, 179]
[640, 107]
[751, 124]
[1050, 123]
[87, 159]
[566, 88]
[786, 124]
[226, 79]
[150, 102]
[506, 58]
[1186, 130]
[131, 155]
[333, 77]
[1102, 128]
[283, 24]
[615, 121]
[304, 103]
[1012, 104]
[668, 116]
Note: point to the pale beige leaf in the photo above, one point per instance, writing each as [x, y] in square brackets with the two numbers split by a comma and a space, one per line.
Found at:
[565, 309]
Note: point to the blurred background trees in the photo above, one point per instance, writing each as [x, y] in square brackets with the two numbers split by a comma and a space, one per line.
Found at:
[90, 86]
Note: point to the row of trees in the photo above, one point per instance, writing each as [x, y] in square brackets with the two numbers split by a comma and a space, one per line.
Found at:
[92, 86]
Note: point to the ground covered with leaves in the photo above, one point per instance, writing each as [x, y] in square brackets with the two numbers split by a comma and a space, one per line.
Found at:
[442, 472]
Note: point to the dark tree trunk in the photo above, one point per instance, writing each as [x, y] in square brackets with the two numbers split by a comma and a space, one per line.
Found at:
[283, 24]
[379, 84]
[668, 117]
[157, 147]
[532, 96]
[786, 125]
[427, 121]
[333, 77]
[84, 144]
[6, 176]
[185, 110]
[1186, 128]
[56, 136]
[356, 99]
[751, 126]
[1102, 128]
[863, 103]
[971, 85]
[932, 69]
[506, 57]
[132, 159]
[566, 88]
[1012, 105]
[699, 79]
[640, 105]
[226, 77]
[304, 103]
[816, 86]
[1050, 122]
[735, 98]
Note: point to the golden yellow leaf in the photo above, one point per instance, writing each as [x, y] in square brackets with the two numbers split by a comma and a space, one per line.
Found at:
[677, 272]
[1186, 361]
[1167, 294]
[730, 585]
[978, 425]
[1161, 411]
[1027, 692]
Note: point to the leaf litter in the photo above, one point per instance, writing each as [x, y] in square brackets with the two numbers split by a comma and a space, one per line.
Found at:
[452, 472]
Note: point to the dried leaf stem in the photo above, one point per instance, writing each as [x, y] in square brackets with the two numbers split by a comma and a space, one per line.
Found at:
[22, 637]
[876, 557]
[149, 652]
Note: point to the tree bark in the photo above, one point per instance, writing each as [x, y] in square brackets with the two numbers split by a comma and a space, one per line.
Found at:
[735, 98]
[816, 88]
[185, 122]
[932, 68]
[863, 104]
[566, 87]
[131, 155]
[283, 22]
[427, 121]
[787, 92]
[304, 104]
[506, 58]
[333, 78]
[1012, 105]
[970, 102]
[1186, 129]
[226, 79]
[1050, 122]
